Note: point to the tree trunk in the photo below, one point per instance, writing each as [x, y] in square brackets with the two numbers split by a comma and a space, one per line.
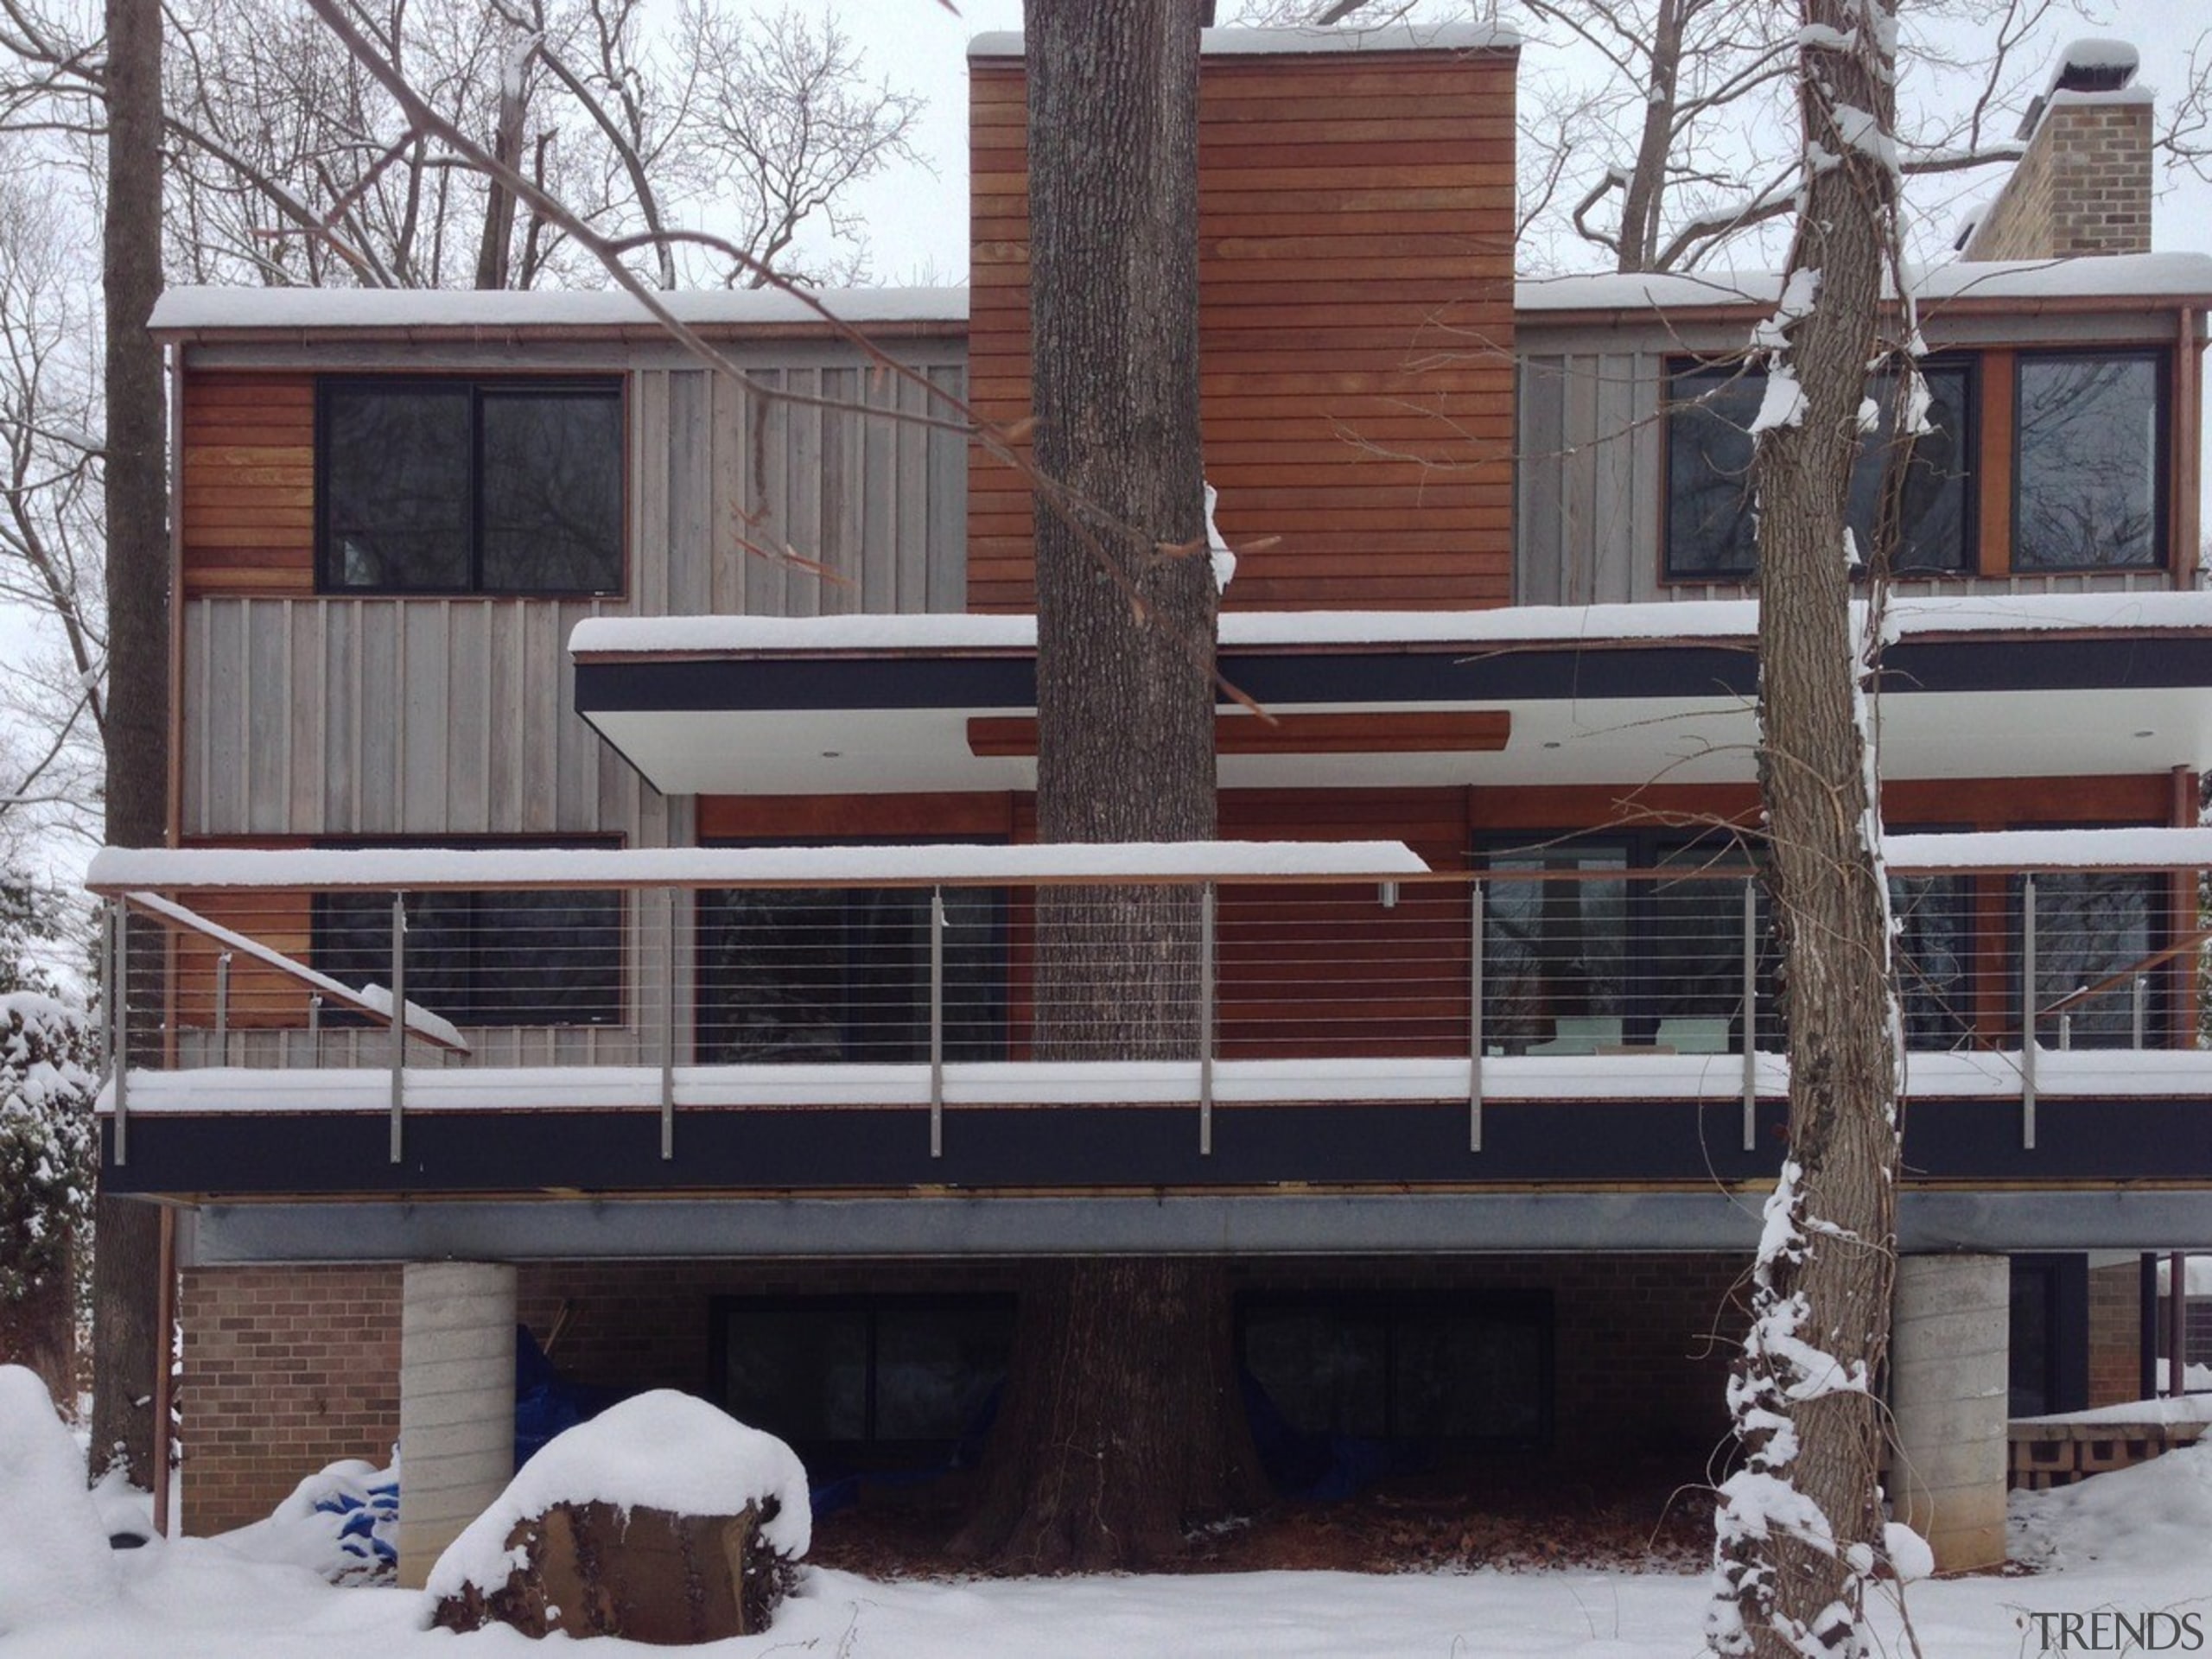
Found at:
[40, 1330]
[1806, 1413]
[126, 1347]
[1122, 1418]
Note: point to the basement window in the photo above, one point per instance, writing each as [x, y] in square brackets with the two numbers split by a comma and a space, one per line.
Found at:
[898, 1376]
[1711, 531]
[468, 487]
[2090, 477]
[1450, 1367]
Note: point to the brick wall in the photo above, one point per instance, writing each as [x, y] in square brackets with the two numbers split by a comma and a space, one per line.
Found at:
[2083, 188]
[287, 1369]
[2115, 1334]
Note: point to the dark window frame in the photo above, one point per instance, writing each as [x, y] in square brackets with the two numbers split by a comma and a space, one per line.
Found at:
[1707, 857]
[479, 387]
[2161, 456]
[704, 974]
[323, 924]
[1535, 1310]
[1676, 369]
[872, 1306]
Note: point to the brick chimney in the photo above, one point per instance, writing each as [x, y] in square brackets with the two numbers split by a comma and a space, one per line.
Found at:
[2083, 184]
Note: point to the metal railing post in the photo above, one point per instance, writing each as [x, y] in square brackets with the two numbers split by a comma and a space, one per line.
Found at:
[119, 990]
[2139, 1020]
[937, 1022]
[1205, 1020]
[668, 1023]
[2028, 1012]
[314, 1028]
[398, 1019]
[1475, 1038]
[223, 1010]
[1750, 1014]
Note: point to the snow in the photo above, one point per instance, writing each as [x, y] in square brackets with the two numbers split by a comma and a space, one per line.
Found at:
[2146, 276]
[1581, 625]
[662, 1450]
[1988, 1074]
[1262, 42]
[2195, 1282]
[2132, 1540]
[1783, 402]
[340, 1523]
[2010, 849]
[189, 309]
[2187, 1409]
[129, 868]
[2094, 54]
[54, 1551]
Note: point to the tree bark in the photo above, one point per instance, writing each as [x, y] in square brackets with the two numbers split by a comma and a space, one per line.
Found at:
[126, 1347]
[39, 1332]
[1122, 1418]
[1806, 1412]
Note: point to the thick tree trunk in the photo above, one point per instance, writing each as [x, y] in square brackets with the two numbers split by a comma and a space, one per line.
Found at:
[1795, 1582]
[1122, 1419]
[1805, 1404]
[126, 1347]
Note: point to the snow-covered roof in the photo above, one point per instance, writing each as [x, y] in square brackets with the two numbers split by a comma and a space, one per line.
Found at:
[130, 868]
[1582, 625]
[1257, 42]
[186, 310]
[2060, 849]
[2023, 282]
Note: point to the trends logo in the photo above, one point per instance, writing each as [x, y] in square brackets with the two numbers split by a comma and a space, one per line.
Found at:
[2108, 1630]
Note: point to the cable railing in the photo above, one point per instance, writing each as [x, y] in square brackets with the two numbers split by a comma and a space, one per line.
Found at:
[511, 979]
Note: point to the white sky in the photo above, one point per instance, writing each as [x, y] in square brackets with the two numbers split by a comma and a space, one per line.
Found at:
[917, 224]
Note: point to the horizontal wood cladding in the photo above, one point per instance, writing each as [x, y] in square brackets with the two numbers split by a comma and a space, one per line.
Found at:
[246, 509]
[1355, 327]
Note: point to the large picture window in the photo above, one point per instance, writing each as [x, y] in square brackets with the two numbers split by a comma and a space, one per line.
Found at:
[1711, 531]
[843, 974]
[457, 486]
[2088, 471]
[525, 958]
[1432, 1366]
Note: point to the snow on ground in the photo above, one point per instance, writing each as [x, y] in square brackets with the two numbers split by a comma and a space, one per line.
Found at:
[2132, 1541]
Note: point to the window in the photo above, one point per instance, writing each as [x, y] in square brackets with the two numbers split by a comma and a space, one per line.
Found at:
[457, 487]
[2088, 490]
[892, 1372]
[843, 974]
[529, 958]
[1712, 532]
[1433, 1366]
[1585, 959]
[2096, 932]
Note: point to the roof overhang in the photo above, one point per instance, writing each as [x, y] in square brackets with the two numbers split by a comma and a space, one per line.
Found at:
[2051, 686]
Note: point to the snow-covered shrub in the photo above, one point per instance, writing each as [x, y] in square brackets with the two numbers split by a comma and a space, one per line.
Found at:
[55, 1558]
[47, 1154]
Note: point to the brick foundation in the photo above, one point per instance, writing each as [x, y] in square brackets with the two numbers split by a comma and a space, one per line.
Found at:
[2115, 1334]
[289, 1369]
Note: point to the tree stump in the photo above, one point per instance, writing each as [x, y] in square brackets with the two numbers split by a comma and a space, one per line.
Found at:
[648, 1574]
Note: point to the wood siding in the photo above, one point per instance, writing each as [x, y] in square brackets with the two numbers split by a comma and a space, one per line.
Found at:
[1356, 327]
[247, 512]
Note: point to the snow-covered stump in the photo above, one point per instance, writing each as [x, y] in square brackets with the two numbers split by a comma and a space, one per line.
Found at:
[1950, 1353]
[456, 1403]
[662, 1520]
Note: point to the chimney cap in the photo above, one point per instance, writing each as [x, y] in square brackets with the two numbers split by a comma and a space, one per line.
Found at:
[2094, 65]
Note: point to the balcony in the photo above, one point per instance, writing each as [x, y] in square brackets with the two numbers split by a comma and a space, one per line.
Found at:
[890, 1021]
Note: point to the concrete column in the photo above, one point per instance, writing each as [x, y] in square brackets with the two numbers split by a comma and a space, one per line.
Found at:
[456, 1403]
[1949, 1378]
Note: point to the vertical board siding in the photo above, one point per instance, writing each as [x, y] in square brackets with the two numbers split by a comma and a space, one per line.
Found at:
[1356, 327]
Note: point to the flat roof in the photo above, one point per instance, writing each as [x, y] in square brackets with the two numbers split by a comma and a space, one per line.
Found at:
[191, 310]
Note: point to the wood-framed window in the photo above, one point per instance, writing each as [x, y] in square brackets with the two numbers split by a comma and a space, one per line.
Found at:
[535, 958]
[1711, 531]
[459, 485]
[2089, 460]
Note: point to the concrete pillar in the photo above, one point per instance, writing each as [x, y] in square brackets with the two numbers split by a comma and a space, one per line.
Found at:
[1949, 1378]
[456, 1403]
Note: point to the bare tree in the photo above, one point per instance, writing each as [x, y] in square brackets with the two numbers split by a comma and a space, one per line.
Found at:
[1799, 1532]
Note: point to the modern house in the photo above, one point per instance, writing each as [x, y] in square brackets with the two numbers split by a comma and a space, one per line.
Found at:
[602, 890]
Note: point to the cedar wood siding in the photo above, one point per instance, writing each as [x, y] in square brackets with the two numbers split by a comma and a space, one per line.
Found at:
[1356, 226]
[248, 505]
